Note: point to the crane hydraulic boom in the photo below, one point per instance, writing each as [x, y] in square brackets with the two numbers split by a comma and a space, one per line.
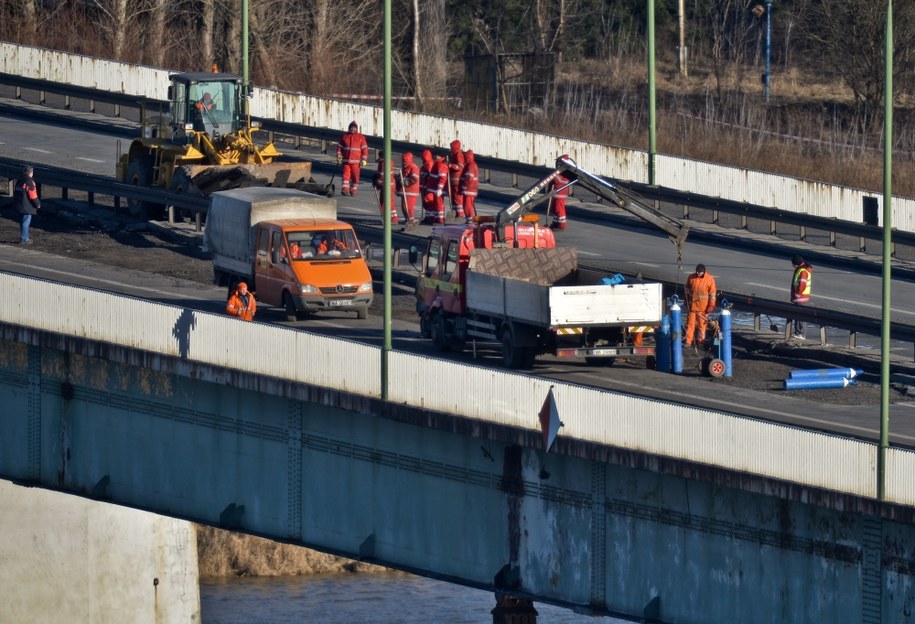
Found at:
[676, 230]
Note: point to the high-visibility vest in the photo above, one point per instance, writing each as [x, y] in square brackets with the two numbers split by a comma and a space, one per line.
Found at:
[801, 294]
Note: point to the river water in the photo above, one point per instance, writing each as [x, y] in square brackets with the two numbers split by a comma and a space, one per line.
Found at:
[389, 598]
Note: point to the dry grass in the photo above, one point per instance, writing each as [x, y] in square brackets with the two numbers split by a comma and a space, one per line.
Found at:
[224, 553]
[807, 129]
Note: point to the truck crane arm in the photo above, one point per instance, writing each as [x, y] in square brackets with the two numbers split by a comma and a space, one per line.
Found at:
[628, 201]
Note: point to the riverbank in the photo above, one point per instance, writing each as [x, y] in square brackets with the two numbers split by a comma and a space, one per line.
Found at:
[223, 553]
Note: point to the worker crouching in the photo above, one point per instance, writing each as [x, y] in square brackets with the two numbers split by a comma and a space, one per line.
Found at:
[241, 303]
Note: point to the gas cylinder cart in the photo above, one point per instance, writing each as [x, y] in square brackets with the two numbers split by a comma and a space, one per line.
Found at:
[713, 364]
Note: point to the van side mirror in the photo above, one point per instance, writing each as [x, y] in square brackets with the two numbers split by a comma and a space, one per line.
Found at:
[171, 93]
[414, 254]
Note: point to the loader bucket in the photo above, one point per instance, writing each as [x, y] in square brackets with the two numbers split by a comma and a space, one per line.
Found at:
[211, 178]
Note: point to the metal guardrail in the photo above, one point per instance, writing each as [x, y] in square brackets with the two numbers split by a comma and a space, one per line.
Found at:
[854, 324]
[67, 180]
[298, 134]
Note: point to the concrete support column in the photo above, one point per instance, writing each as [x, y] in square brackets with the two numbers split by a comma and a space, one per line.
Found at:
[512, 610]
[70, 559]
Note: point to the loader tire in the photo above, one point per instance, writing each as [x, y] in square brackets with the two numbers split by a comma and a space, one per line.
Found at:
[140, 173]
[181, 183]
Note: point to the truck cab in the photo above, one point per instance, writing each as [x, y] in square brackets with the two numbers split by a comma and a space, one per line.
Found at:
[207, 102]
[441, 285]
[308, 266]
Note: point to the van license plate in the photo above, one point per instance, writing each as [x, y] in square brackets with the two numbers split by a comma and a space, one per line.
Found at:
[340, 302]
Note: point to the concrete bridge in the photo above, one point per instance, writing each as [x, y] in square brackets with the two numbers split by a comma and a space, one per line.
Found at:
[641, 509]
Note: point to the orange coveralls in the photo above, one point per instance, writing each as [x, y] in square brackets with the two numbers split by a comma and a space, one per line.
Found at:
[700, 300]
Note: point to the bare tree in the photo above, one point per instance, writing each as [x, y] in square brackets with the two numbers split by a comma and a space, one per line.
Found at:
[851, 34]
[433, 41]
[418, 87]
[157, 32]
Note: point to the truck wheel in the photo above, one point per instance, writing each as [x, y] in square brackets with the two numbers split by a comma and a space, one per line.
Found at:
[292, 314]
[425, 327]
[140, 173]
[530, 355]
[512, 356]
[651, 362]
[439, 338]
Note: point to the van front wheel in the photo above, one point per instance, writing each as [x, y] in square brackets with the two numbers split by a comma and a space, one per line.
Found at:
[289, 306]
[362, 313]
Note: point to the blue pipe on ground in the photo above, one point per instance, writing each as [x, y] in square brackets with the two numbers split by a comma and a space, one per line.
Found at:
[725, 355]
[814, 383]
[662, 344]
[676, 335]
[850, 373]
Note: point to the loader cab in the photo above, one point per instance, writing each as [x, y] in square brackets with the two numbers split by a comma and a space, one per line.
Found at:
[205, 102]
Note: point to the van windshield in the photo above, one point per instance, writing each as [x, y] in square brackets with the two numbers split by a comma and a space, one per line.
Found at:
[323, 245]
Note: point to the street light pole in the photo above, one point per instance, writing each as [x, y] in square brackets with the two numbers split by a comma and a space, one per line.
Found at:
[652, 138]
[768, 45]
[887, 256]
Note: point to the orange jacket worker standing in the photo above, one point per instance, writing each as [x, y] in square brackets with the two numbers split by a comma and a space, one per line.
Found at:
[455, 171]
[352, 153]
[241, 303]
[700, 300]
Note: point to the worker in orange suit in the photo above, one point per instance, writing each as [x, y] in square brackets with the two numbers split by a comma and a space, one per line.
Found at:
[409, 188]
[455, 170]
[352, 154]
[378, 183]
[470, 185]
[560, 186]
[701, 293]
[437, 183]
[428, 184]
[241, 303]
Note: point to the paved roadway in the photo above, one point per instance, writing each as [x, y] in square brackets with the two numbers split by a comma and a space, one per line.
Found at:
[629, 250]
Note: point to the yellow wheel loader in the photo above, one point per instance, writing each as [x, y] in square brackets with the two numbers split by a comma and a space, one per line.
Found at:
[204, 143]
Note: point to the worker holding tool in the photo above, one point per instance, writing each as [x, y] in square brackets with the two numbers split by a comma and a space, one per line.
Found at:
[409, 188]
[378, 184]
[559, 187]
[701, 291]
[352, 154]
[428, 184]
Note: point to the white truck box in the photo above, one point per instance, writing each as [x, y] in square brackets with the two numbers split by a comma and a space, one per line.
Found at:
[232, 215]
[541, 287]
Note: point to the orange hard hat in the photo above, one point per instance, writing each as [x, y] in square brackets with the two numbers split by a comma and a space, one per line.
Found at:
[242, 286]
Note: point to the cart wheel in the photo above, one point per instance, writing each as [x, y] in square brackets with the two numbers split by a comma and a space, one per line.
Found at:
[716, 368]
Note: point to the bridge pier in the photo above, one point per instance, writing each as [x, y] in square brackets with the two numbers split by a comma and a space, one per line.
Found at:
[64, 558]
[512, 610]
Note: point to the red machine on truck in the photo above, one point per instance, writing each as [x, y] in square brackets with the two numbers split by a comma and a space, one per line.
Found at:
[502, 279]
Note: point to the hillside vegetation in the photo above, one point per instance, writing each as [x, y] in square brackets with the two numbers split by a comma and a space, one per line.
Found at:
[823, 118]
